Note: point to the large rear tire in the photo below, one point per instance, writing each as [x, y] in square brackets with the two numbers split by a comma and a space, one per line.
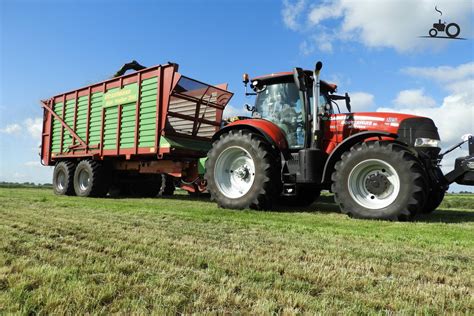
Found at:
[63, 178]
[91, 179]
[242, 171]
[376, 180]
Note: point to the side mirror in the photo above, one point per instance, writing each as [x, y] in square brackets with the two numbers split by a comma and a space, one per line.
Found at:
[300, 78]
[249, 107]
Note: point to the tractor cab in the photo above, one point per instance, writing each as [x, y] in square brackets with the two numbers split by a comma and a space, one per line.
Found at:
[280, 100]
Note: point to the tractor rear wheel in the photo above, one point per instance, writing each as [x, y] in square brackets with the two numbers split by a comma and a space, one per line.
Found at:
[91, 179]
[63, 178]
[377, 180]
[242, 171]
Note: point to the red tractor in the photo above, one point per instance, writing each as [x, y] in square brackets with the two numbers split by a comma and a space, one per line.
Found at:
[378, 165]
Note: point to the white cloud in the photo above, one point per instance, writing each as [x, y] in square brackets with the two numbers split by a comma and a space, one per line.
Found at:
[442, 73]
[362, 101]
[325, 11]
[291, 12]
[11, 129]
[34, 127]
[385, 23]
[413, 98]
[321, 43]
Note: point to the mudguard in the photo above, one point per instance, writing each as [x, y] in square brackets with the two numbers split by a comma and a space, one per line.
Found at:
[346, 145]
[270, 131]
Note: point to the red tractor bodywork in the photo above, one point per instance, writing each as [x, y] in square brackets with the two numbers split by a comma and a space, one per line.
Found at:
[337, 127]
[341, 126]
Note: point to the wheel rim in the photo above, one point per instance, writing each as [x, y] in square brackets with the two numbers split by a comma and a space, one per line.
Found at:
[61, 180]
[234, 172]
[374, 184]
[84, 180]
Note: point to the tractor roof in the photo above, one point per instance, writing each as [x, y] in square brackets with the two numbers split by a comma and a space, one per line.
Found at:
[331, 87]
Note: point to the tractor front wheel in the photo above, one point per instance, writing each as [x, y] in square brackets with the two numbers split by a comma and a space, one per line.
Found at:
[379, 181]
[242, 171]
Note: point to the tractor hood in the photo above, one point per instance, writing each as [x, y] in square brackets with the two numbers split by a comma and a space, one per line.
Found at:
[408, 127]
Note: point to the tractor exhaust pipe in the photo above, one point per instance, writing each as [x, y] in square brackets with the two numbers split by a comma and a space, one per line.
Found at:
[316, 89]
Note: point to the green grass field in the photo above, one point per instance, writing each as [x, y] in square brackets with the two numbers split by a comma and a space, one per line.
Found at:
[181, 255]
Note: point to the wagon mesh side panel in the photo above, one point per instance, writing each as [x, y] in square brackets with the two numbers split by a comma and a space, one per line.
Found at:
[110, 125]
[56, 133]
[69, 120]
[81, 120]
[208, 113]
[195, 108]
[180, 125]
[127, 130]
[95, 118]
[147, 128]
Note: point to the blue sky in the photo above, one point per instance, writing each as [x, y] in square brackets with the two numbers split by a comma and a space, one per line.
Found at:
[371, 51]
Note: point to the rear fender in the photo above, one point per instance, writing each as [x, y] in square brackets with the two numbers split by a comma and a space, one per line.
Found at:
[346, 145]
[268, 130]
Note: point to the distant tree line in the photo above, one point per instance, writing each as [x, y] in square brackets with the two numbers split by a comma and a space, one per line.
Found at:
[4, 184]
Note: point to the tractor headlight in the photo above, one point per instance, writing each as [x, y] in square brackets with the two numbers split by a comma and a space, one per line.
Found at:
[426, 142]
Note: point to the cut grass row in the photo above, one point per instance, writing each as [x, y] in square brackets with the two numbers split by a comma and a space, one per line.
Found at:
[77, 255]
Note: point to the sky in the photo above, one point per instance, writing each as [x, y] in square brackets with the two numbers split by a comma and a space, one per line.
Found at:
[374, 50]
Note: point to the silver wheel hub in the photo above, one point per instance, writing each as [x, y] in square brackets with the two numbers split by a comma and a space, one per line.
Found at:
[374, 184]
[61, 180]
[234, 172]
[243, 172]
[84, 180]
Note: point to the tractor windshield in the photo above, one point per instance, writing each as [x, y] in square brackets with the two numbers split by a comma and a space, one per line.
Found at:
[281, 104]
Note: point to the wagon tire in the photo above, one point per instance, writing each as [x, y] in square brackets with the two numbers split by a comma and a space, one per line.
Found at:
[63, 178]
[91, 179]
[377, 180]
[167, 186]
[242, 171]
